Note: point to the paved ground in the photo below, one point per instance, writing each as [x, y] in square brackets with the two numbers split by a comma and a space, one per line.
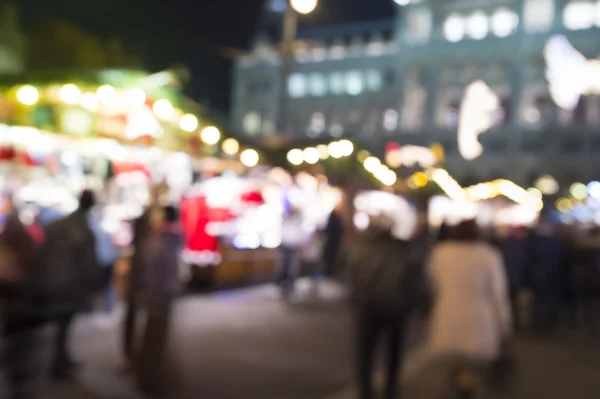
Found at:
[247, 344]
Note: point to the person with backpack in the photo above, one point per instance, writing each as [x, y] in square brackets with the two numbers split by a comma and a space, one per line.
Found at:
[385, 284]
[69, 277]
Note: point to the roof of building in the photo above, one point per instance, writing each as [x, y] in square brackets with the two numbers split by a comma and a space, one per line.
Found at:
[363, 28]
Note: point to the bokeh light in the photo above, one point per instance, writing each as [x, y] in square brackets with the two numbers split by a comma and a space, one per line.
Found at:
[249, 158]
[28, 95]
[295, 157]
[210, 135]
[230, 146]
[70, 94]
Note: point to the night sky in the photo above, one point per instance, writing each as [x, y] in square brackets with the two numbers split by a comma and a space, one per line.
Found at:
[190, 32]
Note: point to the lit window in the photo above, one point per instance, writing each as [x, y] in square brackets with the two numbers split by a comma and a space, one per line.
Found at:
[374, 80]
[336, 130]
[477, 25]
[454, 28]
[317, 123]
[376, 46]
[413, 111]
[297, 86]
[504, 22]
[302, 55]
[418, 25]
[319, 53]
[318, 85]
[579, 15]
[337, 51]
[252, 122]
[354, 83]
[336, 83]
[538, 15]
[390, 120]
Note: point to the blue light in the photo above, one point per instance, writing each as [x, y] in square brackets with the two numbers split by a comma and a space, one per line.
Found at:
[246, 241]
[594, 189]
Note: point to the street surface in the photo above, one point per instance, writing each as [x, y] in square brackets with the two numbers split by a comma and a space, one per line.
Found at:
[248, 344]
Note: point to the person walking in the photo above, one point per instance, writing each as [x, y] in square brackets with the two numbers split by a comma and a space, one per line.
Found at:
[385, 289]
[135, 284]
[160, 260]
[294, 237]
[21, 313]
[69, 277]
[108, 254]
[471, 315]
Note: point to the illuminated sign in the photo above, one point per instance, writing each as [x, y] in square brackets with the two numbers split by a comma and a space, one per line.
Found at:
[569, 73]
[410, 156]
[477, 113]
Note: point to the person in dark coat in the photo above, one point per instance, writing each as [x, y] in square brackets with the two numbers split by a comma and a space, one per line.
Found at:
[334, 232]
[546, 255]
[382, 283]
[515, 252]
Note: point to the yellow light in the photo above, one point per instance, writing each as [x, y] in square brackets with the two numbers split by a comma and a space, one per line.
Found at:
[304, 6]
[371, 164]
[135, 98]
[393, 159]
[420, 179]
[481, 191]
[106, 94]
[579, 191]
[210, 135]
[311, 155]
[230, 146]
[564, 205]
[295, 156]
[249, 158]
[385, 175]
[438, 151]
[70, 94]
[346, 147]
[534, 192]
[163, 109]
[547, 185]
[28, 95]
[362, 155]
[89, 102]
[323, 151]
[335, 150]
[188, 123]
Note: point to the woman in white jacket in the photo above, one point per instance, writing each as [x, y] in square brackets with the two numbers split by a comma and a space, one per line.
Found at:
[471, 316]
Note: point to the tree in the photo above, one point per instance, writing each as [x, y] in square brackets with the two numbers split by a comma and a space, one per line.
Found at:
[56, 44]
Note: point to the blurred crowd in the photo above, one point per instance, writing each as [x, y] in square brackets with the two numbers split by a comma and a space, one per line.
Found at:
[473, 287]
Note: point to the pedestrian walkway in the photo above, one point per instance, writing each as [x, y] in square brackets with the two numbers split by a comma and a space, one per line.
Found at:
[249, 344]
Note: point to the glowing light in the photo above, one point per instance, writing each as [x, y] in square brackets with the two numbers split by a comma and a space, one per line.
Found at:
[420, 179]
[135, 98]
[68, 158]
[28, 95]
[477, 114]
[335, 150]
[387, 177]
[477, 25]
[361, 220]
[163, 109]
[230, 146]
[579, 15]
[362, 155]
[304, 6]
[311, 155]
[594, 189]
[535, 192]
[106, 94]
[70, 94]
[393, 159]
[89, 102]
[570, 74]
[346, 147]
[371, 164]
[579, 191]
[412, 155]
[547, 185]
[188, 123]
[249, 158]
[564, 205]
[323, 151]
[210, 135]
[504, 22]
[454, 28]
[295, 156]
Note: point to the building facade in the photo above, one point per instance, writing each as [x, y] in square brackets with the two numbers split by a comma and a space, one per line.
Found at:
[11, 40]
[404, 80]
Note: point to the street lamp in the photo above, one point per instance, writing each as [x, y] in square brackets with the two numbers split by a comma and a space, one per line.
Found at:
[304, 6]
[290, 28]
